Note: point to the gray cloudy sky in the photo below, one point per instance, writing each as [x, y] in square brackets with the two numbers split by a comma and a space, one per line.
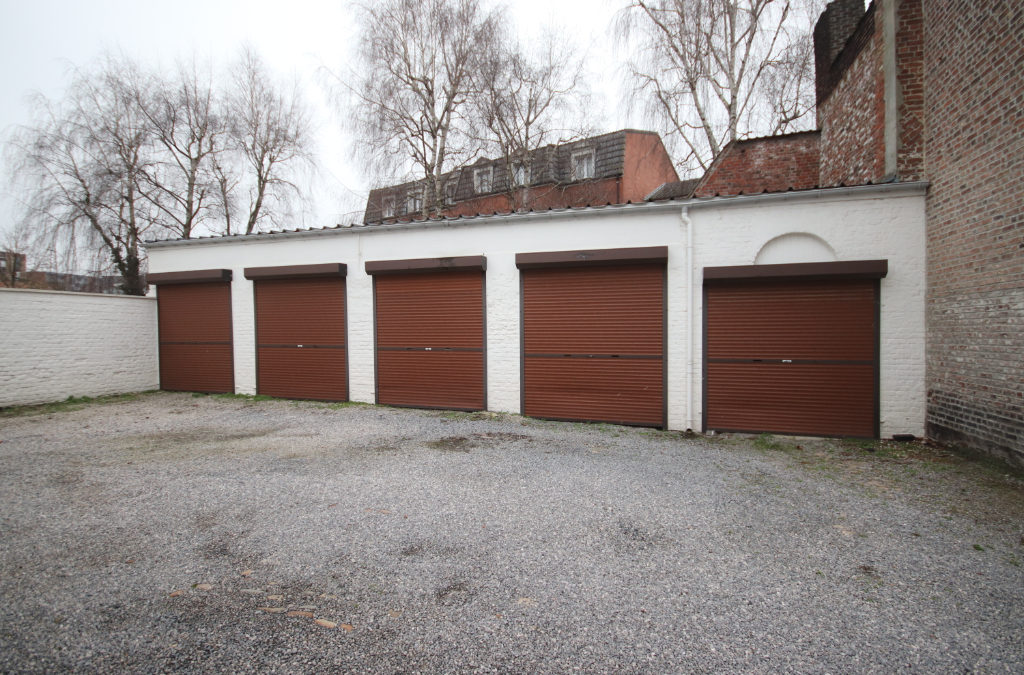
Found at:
[40, 40]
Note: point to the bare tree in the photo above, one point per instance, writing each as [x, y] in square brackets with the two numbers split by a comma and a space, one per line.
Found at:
[715, 70]
[81, 168]
[271, 130]
[419, 61]
[226, 180]
[189, 127]
[525, 100]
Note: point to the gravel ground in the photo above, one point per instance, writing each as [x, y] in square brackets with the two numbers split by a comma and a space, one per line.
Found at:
[178, 533]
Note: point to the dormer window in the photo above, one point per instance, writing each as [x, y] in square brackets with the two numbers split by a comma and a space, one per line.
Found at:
[483, 179]
[414, 201]
[581, 165]
[388, 207]
[520, 174]
[449, 191]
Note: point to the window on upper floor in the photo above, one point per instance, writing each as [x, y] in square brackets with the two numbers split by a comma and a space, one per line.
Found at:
[581, 165]
[388, 207]
[520, 174]
[483, 179]
[449, 191]
[414, 201]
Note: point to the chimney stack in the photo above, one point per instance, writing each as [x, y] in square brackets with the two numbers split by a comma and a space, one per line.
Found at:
[835, 26]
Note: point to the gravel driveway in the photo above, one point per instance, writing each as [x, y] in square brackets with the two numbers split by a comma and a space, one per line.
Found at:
[171, 532]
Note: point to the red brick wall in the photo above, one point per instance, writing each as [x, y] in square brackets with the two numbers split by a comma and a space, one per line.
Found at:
[852, 118]
[774, 163]
[646, 166]
[910, 76]
[974, 159]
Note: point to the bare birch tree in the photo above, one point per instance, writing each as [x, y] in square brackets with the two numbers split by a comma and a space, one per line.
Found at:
[419, 62]
[81, 167]
[714, 70]
[270, 127]
[525, 100]
[190, 129]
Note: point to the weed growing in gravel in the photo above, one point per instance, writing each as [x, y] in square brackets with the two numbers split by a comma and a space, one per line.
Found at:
[341, 405]
[461, 415]
[769, 442]
[68, 404]
[245, 397]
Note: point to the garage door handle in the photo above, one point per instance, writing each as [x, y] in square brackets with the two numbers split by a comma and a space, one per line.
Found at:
[787, 360]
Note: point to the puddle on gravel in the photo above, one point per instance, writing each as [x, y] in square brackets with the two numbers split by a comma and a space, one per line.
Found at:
[451, 444]
[465, 444]
[179, 445]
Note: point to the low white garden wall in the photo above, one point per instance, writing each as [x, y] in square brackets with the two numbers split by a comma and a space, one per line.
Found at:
[55, 344]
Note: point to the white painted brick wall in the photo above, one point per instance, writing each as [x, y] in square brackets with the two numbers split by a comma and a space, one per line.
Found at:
[856, 228]
[54, 345]
[868, 223]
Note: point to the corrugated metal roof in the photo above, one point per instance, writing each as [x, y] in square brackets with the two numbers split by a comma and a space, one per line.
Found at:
[405, 223]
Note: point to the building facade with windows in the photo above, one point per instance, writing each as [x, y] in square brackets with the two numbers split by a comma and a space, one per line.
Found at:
[615, 168]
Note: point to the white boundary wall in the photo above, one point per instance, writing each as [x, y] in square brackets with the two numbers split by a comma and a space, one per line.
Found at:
[55, 344]
[874, 222]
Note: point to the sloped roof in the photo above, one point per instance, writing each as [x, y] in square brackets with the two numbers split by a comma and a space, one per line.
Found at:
[548, 164]
[512, 215]
[677, 189]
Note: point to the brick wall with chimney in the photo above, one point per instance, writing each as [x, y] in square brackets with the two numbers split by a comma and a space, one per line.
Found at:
[934, 91]
[850, 91]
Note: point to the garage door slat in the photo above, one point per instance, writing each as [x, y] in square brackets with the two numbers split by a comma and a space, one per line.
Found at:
[303, 311]
[196, 352]
[452, 380]
[593, 343]
[430, 339]
[792, 356]
[431, 309]
[611, 310]
[620, 392]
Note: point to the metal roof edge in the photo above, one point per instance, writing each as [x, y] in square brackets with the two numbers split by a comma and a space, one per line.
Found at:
[571, 212]
[867, 191]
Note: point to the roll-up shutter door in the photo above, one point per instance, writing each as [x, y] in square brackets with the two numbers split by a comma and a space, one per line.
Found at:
[593, 343]
[300, 338]
[792, 356]
[196, 352]
[430, 339]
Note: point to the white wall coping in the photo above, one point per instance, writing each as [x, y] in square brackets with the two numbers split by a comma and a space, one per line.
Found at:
[846, 192]
[75, 293]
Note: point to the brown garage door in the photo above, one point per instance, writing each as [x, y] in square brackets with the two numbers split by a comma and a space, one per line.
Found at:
[196, 352]
[300, 337]
[795, 356]
[593, 342]
[430, 335]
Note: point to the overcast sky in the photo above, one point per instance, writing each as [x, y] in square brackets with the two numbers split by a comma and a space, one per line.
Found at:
[40, 40]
